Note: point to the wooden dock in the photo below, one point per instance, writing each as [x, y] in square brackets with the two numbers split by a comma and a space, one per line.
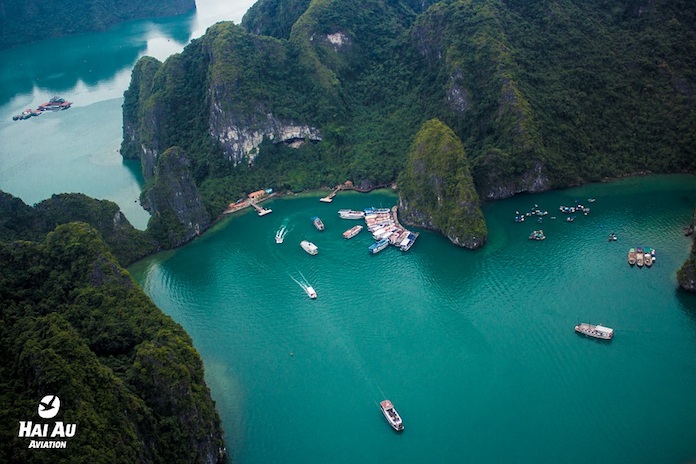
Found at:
[329, 198]
[261, 211]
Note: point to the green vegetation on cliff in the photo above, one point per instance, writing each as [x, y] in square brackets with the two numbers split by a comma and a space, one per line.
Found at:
[686, 275]
[436, 188]
[75, 325]
[19, 221]
[26, 21]
[542, 94]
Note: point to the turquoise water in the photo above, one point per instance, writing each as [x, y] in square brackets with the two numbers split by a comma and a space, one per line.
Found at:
[77, 150]
[476, 349]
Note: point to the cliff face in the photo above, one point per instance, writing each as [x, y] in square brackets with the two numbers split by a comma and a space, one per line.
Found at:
[437, 191]
[686, 275]
[542, 94]
[172, 199]
[75, 325]
[20, 20]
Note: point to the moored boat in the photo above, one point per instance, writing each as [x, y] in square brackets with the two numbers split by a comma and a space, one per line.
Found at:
[596, 331]
[537, 235]
[55, 104]
[639, 257]
[648, 257]
[317, 223]
[350, 214]
[391, 415]
[378, 246]
[310, 292]
[309, 247]
[632, 256]
[352, 232]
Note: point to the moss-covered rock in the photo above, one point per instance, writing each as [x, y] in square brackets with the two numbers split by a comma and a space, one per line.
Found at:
[436, 190]
[74, 324]
[172, 198]
[686, 275]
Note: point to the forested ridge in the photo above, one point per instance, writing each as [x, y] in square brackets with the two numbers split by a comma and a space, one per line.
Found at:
[74, 324]
[24, 21]
[542, 94]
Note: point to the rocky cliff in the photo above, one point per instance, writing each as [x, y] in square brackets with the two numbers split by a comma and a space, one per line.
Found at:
[686, 275]
[172, 198]
[542, 94]
[436, 190]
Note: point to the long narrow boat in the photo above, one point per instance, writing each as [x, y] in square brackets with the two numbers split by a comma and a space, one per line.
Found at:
[391, 415]
[632, 256]
[596, 331]
[639, 257]
[352, 232]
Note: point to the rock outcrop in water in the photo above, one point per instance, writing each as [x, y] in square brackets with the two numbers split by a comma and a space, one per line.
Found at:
[436, 190]
[686, 275]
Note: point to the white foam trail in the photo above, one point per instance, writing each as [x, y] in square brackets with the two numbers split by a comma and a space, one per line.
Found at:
[301, 284]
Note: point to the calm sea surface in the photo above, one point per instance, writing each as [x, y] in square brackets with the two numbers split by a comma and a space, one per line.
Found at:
[476, 349]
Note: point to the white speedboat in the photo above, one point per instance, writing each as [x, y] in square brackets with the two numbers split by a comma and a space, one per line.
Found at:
[309, 247]
[391, 415]
[310, 292]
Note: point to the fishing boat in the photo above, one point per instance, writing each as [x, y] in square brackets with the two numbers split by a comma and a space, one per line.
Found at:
[350, 214]
[378, 246]
[596, 331]
[632, 256]
[352, 232]
[537, 235]
[639, 257]
[309, 247]
[391, 415]
[317, 223]
[310, 292]
[648, 257]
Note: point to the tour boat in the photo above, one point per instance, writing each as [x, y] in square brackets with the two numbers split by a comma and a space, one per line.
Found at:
[632, 256]
[378, 246]
[309, 247]
[596, 331]
[352, 232]
[310, 292]
[391, 415]
[350, 214]
[317, 223]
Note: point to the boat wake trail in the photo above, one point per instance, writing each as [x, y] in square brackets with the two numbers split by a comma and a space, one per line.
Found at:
[304, 284]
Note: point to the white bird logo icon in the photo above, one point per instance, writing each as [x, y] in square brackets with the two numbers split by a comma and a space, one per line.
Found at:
[49, 406]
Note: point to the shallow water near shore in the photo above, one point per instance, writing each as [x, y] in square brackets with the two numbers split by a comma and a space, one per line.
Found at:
[476, 349]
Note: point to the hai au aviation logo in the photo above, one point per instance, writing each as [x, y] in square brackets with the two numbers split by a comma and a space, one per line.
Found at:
[49, 435]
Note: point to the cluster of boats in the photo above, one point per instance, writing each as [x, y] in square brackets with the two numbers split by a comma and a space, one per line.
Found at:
[519, 217]
[641, 256]
[54, 104]
[537, 235]
[387, 230]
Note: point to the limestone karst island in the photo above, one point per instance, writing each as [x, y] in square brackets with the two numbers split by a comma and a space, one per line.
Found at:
[333, 231]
